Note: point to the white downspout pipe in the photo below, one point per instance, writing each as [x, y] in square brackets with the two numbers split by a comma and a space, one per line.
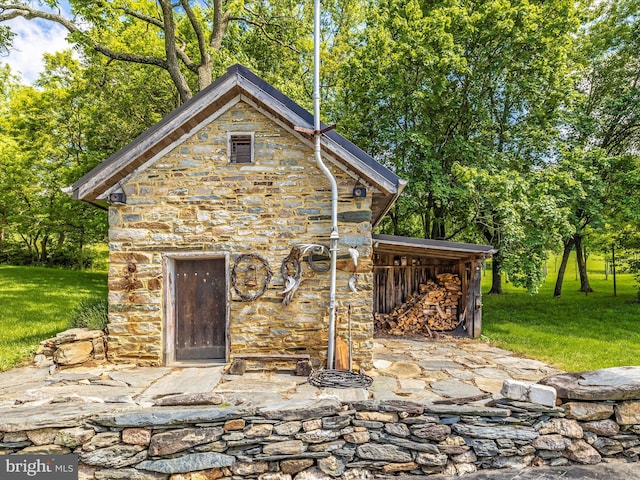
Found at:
[334, 237]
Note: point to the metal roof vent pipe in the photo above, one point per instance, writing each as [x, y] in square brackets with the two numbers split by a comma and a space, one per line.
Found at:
[334, 237]
[329, 377]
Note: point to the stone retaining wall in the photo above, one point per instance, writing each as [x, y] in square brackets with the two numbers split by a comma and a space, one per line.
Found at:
[327, 439]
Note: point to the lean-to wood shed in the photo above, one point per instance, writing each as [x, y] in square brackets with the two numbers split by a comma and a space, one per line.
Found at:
[402, 264]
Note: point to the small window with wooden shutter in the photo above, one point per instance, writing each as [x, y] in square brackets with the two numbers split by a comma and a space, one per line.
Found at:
[241, 148]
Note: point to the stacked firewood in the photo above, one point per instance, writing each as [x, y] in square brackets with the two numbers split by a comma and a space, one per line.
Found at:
[434, 307]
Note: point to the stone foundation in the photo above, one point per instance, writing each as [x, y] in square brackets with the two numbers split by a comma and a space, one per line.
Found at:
[326, 439]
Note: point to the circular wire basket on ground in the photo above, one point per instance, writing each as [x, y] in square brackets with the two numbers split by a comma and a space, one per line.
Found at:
[339, 379]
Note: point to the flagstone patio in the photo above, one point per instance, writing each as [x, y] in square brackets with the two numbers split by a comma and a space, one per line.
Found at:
[428, 370]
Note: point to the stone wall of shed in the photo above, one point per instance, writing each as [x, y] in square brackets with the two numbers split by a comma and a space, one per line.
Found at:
[193, 199]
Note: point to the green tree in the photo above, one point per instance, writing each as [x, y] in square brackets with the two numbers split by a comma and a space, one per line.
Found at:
[520, 212]
[602, 127]
[8, 152]
[118, 101]
[191, 41]
[80, 112]
[74, 117]
[47, 153]
[585, 197]
[477, 84]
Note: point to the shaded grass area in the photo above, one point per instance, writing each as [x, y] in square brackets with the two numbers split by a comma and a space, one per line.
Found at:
[37, 303]
[574, 332]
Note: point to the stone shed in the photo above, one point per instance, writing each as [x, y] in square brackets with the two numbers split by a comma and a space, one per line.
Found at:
[219, 220]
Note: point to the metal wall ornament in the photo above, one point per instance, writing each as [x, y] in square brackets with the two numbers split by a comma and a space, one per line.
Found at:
[291, 274]
[250, 276]
[353, 281]
[314, 250]
[130, 280]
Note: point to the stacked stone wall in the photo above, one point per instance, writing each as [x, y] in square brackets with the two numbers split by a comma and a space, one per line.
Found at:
[71, 347]
[326, 439]
[193, 200]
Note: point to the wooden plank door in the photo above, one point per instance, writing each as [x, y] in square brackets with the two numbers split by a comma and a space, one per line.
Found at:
[200, 309]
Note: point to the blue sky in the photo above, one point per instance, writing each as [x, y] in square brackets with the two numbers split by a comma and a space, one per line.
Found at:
[33, 38]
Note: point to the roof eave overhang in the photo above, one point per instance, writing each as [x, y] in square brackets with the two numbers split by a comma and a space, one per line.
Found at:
[391, 200]
[434, 248]
[172, 127]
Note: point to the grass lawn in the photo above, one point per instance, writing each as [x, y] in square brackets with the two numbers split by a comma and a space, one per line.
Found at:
[37, 303]
[574, 332]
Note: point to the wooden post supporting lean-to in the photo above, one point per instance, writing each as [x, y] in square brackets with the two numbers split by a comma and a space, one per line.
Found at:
[474, 301]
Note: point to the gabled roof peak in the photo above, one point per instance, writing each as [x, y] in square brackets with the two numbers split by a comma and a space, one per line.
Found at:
[237, 81]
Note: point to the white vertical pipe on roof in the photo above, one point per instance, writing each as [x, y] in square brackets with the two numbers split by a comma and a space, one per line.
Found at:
[334, 237]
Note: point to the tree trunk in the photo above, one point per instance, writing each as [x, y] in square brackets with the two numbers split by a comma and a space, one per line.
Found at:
[44, 250]
[427, 216]
[31, 241]
[496, 262]
[60, 243]
[496, 277]
[4, 224]
[568, 245]
[426, 224]
[220, 24]
[438, 232]
[394, 213]
[173, 66]
[204, 75]
[582, 265]
[81, 250]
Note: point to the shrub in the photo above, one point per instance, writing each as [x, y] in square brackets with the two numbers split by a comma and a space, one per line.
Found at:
[90, 313]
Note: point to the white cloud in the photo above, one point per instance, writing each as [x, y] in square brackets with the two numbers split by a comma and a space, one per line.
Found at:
[33, 38]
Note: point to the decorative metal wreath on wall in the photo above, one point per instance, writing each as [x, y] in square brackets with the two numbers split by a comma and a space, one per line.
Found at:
[250, 276]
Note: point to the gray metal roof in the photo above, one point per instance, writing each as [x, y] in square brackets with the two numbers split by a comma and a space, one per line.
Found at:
[430, 248]
[238, 80]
